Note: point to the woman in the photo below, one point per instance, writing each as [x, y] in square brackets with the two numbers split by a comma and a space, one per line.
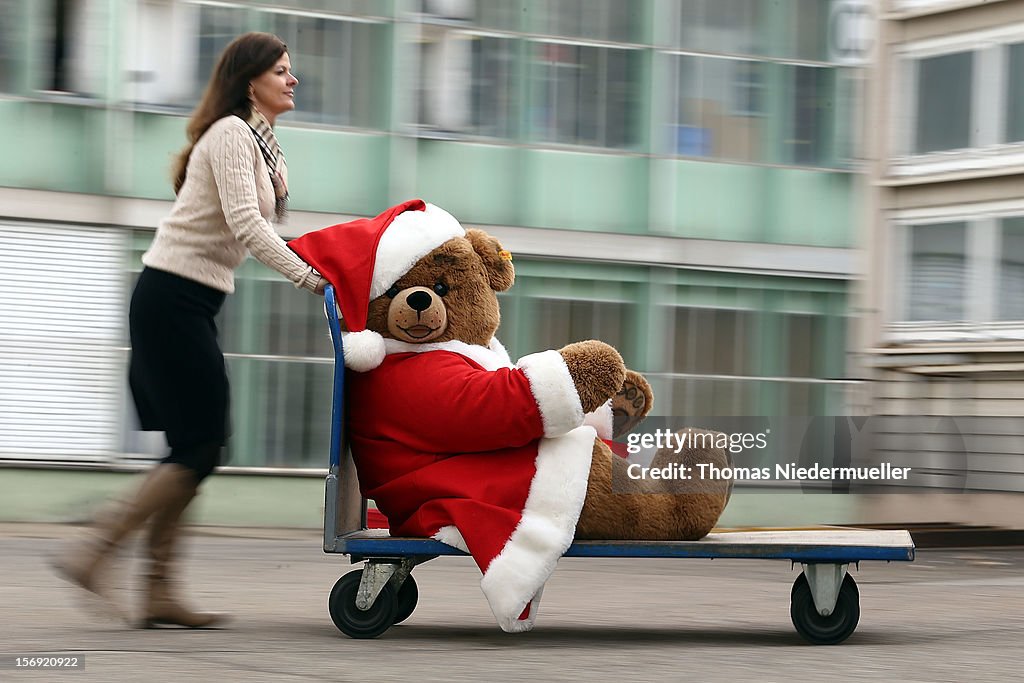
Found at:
[230, 181]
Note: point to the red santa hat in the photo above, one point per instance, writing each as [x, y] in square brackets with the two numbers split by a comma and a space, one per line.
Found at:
[363, 258]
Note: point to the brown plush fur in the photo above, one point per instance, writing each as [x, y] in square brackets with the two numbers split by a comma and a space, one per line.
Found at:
[597, 370]
[618, 507]
[472, 309]
[631, 403]
[450, 295]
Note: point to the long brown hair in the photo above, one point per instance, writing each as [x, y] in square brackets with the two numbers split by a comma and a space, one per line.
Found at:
[227, 92]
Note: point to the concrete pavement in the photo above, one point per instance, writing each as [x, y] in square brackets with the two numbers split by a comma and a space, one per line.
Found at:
[949, 616]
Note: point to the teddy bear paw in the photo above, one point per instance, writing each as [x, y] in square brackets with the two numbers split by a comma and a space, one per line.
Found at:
[631, 403]
[596, 369]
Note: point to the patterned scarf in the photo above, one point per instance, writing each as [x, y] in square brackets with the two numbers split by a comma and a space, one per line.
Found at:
[274, 157]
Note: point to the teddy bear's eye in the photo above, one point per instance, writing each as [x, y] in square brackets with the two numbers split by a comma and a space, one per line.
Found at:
[440, 288]
[393, 292]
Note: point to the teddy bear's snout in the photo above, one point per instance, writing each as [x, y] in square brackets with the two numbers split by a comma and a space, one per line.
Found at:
[417, 315]
[419, 300]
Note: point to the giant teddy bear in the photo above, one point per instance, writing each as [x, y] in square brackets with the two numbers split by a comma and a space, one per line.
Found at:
[453, 441]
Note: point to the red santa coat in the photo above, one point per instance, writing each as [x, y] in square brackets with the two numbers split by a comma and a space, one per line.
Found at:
[455, 443]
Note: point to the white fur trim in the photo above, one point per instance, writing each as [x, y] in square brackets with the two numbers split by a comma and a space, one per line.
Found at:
[554, 391]
[364, 350]
[521, 625]
[517, 575]
[450, 535]
[601, 420]
[408, 238]
[497, 347]
[488, 358]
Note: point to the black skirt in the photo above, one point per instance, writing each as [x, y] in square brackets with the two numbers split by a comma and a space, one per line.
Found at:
[177, 373]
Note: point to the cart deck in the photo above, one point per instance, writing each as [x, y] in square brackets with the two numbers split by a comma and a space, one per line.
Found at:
[825, 600]
[797, 545]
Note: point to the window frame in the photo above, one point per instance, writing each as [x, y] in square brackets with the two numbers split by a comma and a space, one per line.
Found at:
[265, 16]
[252, 17]
[981, 292]
[420, 125]
[536, 77]
[925, 6]
[989, 93]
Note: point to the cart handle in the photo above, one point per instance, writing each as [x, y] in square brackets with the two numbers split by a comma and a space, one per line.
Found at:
[338, 397]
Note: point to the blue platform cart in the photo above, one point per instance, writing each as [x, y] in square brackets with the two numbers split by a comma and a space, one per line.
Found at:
[364, 603]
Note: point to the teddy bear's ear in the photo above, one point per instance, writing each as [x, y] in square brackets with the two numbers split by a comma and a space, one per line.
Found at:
[497, 260]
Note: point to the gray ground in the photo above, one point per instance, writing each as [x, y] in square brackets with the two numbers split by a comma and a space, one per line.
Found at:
[950, 616]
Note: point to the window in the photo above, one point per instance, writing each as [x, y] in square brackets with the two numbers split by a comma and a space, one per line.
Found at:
[728, 109]
[938, 260]
[280, 362]
[493, 87]
[785, 29]
[915, 5]
[720, 108]
[709, 342]
[960, 103]
[172, 48]
[744, 362]
[806, 353]
[577, 94]
[805, 345]
[72, 47]
[59, 59]
[808, 30]
[10, 20]
[713, 341]
[334, 61]
[739, 97]
[467, 83]
[944, 102]
[958, 277]
[612, 20]
[175, 46]
[564, 321]
[585, 95]
[811, 133]
[495, 14]
[1011, 269]
[1015, 94]
[293, 325]
[748, 89]
[218, 26]
[727, 26]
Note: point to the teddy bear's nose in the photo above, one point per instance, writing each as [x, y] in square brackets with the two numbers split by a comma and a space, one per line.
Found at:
[419, 301]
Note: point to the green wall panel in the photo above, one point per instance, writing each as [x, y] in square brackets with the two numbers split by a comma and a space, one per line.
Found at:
[155, 140]
[53, 146]
[812, 207]
[477, 183]
[343, 171]
[709, 200]
[577, 190]
[329, 170]
[336, 171]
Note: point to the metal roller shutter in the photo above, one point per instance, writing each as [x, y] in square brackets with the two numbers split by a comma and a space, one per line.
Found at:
[61, 326]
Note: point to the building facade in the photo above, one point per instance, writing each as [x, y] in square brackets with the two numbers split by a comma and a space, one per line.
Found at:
[681, 178]
[943, 300]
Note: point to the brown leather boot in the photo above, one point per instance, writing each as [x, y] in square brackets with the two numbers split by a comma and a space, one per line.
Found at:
[85, 563]
[162, 607]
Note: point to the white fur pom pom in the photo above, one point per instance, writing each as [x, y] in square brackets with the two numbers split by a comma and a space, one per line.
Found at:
[364, 350]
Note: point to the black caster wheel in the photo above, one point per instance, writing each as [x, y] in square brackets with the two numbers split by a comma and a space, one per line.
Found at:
[357, 623]
[408, 596]
[830, 630]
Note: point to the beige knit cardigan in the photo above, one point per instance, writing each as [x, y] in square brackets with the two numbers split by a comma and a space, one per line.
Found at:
[223, 211]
